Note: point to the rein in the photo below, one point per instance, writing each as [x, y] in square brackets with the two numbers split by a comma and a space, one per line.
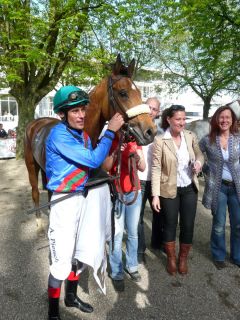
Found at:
[132, 168]
[89, 184]
[126, 135]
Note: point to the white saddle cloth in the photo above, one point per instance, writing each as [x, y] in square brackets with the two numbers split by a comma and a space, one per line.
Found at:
[93, 231]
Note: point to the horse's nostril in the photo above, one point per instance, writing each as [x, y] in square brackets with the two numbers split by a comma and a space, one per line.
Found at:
[149, 133]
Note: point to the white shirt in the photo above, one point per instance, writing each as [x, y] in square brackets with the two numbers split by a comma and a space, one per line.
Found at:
[184, 170]
[226, 174]
[147, 153]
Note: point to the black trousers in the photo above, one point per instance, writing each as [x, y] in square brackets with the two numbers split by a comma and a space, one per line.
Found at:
[184, 206]
[157, 221]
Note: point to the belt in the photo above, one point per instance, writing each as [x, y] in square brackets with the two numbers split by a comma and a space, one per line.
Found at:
[228, 183]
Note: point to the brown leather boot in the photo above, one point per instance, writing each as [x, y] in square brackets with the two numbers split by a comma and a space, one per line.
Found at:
[182, 258]
[171, 257]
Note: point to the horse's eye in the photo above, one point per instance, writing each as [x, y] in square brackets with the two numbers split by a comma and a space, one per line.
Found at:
[123, 93]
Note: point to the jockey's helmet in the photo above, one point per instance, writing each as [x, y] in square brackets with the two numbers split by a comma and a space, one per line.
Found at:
[69, 96]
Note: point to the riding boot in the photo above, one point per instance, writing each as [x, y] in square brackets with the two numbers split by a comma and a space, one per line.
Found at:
[72, 300]
[171, 257]
[53, 309]
[182, 258]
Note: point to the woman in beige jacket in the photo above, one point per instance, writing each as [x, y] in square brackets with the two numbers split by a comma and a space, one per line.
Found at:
[177, 160]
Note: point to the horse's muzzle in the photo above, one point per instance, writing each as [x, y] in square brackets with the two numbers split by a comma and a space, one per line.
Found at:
[143, 137]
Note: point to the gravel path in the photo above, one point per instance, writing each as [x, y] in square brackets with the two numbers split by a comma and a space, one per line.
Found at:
[206, 293]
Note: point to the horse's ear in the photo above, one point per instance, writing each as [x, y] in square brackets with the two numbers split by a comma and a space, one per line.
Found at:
[119, 60]
[130, 68]
[117, 65]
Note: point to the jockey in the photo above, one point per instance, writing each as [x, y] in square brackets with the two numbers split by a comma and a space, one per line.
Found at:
[69, 157]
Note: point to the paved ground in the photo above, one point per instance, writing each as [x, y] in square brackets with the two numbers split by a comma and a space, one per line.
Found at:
[205, 293]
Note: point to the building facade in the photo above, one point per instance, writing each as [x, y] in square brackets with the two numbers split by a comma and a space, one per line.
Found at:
[192, 103]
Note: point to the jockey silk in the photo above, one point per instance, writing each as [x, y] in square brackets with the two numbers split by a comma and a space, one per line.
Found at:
[69, 155]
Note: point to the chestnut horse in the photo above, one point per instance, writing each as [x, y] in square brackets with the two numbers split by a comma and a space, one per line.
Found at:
[116, 93]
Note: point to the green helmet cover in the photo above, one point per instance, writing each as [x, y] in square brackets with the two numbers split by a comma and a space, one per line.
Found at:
[69, 96]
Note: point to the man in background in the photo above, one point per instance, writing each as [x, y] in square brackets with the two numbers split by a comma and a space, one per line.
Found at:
[145, 180]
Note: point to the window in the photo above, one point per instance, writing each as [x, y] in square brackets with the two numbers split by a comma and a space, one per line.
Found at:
[4, 108]
[13, 108]
[8, 108]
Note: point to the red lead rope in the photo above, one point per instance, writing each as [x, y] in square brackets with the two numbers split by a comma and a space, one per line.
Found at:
[132, 167]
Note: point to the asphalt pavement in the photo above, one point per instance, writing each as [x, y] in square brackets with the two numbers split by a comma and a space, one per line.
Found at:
[205, 293]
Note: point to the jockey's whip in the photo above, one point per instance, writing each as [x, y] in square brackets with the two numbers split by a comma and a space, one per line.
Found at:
[49, 203]
[71, 194]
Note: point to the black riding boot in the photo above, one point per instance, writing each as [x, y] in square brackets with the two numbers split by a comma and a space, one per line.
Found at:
[53, 309]
[72, 300]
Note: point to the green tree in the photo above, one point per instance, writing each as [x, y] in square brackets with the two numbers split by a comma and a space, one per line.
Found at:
[200, 46]
[44, 42]
[38, 39]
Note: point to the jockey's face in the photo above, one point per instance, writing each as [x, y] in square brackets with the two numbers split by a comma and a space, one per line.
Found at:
[76, 116]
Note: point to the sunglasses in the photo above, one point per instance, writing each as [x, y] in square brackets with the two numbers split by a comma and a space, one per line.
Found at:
[176, 107]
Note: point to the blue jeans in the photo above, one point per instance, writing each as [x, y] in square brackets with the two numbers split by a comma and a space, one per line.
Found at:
[227, 198]
[128, 217]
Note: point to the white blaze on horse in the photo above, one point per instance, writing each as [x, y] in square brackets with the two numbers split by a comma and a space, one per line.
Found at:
[116, 93]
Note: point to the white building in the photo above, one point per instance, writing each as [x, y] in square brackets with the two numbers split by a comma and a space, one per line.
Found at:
[189, 99]
[192, 103]
[8, 110]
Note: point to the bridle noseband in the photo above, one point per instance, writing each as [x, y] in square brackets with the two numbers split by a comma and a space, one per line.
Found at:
[128, 114]
[126, 134]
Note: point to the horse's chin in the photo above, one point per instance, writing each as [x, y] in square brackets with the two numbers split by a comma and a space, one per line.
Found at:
[142, 139]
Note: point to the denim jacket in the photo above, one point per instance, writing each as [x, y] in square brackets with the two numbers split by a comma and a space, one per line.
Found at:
[214, 166]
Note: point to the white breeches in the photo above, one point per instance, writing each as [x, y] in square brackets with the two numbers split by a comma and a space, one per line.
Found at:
[79, 228]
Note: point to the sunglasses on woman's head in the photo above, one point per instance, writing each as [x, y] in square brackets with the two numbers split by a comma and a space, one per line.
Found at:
[177, 107]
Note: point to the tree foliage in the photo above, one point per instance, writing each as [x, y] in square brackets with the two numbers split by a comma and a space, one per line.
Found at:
[200, 46]
[196, 42]
[45, 41]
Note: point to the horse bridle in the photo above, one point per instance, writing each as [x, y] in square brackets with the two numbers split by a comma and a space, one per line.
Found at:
[125, 136]
[118, 107]
[112, 100]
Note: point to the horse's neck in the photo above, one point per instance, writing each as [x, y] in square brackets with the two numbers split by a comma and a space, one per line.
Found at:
[97, 112]
[93, 126]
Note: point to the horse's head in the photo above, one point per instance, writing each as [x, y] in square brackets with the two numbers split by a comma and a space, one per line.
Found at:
[125, 97]
[118, 93]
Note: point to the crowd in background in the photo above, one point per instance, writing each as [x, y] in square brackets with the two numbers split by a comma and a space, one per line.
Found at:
[4, 134]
